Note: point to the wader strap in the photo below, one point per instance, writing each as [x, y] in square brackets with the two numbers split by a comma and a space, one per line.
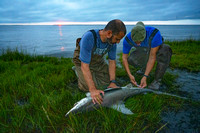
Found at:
[108, 49]
[95, 40]
[128, 41]
[150, 39]
[152, 36]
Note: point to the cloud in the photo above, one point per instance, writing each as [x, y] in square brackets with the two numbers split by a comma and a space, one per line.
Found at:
[16, 11]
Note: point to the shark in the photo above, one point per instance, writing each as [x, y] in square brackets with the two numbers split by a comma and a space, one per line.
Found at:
[113, 98]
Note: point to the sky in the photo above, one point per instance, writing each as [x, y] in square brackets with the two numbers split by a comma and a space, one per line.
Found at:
[99, 11]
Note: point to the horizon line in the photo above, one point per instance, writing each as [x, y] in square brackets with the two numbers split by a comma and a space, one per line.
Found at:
[168, 22]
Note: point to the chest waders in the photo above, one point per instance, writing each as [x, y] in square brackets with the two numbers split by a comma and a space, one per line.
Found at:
[139, 58]
[98, 66]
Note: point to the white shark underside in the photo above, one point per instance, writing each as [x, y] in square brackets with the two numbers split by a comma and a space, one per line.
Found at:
[113, 98]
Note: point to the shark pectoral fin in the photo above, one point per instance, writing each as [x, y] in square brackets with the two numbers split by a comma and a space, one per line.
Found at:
[121, 108]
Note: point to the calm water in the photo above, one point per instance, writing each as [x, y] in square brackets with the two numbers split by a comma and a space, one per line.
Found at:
[60, 40]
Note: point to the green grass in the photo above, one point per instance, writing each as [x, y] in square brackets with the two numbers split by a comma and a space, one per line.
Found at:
[37, 91]
[186, 55]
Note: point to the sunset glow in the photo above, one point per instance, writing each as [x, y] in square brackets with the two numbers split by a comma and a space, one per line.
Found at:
[60, 29]
[62, 48]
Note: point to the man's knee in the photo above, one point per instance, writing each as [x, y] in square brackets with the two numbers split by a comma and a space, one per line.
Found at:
[164, 54]
[136, 61]
[131, 61]
[81, 81]
[82, 86]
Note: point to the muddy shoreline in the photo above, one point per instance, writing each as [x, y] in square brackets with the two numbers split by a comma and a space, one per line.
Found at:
[187, 119]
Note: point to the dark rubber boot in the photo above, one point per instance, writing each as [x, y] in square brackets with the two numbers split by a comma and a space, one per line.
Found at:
[160, 71]
[155, 85]
[163, 58]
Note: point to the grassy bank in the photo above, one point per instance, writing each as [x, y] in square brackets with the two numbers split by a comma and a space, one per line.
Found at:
[186, 55]
[37, 91]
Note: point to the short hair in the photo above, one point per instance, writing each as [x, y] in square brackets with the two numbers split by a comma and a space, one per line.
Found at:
[116, 26]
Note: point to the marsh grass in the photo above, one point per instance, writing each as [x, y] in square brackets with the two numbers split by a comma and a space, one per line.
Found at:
[186, 55]
[37, 91]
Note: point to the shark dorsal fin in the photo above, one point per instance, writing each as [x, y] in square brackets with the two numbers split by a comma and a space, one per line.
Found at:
[111, 89]
[121, 108]
[106, 90]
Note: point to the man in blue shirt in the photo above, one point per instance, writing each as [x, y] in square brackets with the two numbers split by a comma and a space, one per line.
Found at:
[149, 48]
[91, 68]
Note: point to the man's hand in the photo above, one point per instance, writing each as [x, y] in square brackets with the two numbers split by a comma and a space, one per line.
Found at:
[113, 85]
[143, 82]
[96, 97]
[132, 79]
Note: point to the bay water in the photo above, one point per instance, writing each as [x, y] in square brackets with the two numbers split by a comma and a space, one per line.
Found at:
[60, 40]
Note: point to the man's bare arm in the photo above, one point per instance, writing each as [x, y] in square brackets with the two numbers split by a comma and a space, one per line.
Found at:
[149, 66]
[95, 94]
[126, 66]
[151, 60]
[112, 73]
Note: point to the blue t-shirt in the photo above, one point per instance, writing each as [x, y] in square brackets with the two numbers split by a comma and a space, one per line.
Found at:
[87, 45]
[156, 41]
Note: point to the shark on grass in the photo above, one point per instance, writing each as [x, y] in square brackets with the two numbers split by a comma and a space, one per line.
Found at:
[113, 98]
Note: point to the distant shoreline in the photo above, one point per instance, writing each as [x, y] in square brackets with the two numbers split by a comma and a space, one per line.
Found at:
[169, 22]
[98, 25]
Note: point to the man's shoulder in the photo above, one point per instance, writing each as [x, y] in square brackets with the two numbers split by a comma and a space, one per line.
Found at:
[152, 31]
[88, 35]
